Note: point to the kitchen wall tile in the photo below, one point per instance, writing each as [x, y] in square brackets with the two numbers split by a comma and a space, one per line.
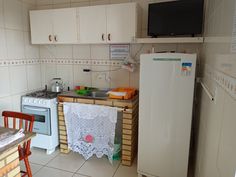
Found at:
[16, 102]
[80, 4]
[43, 2]
[99, 2]
[144, 7]
[165, 47]
[5, 80]
[18, 78]
[13, 14]
[25, 15]
[1, 14]
[100, 52]
[134, 78]
[61, 1]
[119, 1]
[46, 51]
[31, 51]
[138, 49]
[100, 76]
[119, 77]
[34, 77]
[3, 44]
[56, 51]
[59, 6]
[80, 77]
[65, 72]
[226, 162]
[75, 1]
[44, 7]
[33, 2]
[5, 105]
[189, 48]
[15, 44]
[81, 52]
[48, 72]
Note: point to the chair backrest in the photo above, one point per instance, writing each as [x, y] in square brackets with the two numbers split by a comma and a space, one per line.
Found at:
[20, 120]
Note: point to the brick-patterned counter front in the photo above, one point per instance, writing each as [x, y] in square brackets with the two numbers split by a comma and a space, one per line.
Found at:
[129, 123]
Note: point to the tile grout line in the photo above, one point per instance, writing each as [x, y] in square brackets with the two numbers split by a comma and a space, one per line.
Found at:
[116, 170]
[45, 165]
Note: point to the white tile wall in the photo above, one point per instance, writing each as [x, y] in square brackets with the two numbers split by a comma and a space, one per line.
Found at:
[16, 76]
[216, 145]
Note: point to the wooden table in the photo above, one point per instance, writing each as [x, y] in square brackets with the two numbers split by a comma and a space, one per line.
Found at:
[129, 122]
[9, 156]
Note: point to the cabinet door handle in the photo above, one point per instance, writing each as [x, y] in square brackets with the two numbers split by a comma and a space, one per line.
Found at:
[55, 38]
[109, 37]
[50, 38]
[103, 37]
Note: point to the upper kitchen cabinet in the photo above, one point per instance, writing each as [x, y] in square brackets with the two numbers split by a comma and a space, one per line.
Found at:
[122, 23]
[92, 28]
[41, 27]
[116, 23]
[57, 26]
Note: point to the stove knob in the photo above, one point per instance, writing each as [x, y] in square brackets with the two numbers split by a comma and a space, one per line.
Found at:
[35, 101]
[40, 101]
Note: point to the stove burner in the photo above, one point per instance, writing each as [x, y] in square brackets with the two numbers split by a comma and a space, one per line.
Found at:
[43, 94]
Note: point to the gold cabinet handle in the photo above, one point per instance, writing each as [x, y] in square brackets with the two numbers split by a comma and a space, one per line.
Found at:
[109, 37]
[55, 38]
[50, 38]
[103, 37]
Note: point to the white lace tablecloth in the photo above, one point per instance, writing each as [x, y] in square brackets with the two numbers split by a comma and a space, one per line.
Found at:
[90, 129]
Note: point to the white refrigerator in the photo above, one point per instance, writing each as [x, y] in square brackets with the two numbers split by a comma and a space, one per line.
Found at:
[165, 113]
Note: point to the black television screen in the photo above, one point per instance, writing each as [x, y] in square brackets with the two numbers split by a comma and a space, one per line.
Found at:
[183, 17]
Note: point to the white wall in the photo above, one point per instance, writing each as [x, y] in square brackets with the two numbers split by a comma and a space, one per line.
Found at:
[216, 149]
[95, 57]
[19, 65]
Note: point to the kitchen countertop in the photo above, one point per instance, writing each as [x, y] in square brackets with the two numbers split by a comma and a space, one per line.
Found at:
[75, 95]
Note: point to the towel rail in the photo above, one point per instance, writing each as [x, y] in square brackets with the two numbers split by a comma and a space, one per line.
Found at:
[118, 109]
[206, 89]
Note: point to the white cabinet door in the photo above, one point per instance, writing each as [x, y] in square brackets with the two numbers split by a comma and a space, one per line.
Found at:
[92, 24]
[65, 26]
[121, 23]
[41, 27]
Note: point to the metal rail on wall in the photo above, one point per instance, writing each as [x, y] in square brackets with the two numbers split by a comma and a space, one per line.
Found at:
[206, 89]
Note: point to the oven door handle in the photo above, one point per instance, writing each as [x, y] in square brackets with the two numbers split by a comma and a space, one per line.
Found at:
[35, 109]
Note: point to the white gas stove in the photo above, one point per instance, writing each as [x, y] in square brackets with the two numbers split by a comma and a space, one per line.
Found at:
[43, 105]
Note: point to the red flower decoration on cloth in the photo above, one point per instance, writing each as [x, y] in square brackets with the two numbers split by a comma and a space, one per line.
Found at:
[89, 138]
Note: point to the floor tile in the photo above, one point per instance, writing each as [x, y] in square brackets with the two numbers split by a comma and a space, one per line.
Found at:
[51, 172]
[39, 156]
[69, 162]
[96, 167]
[34, 167]
[124, 171]
[79, 175]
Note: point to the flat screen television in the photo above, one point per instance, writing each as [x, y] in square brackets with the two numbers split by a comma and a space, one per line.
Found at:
[183, 17]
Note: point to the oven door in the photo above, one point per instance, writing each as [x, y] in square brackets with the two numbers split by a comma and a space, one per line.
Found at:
[42, 123]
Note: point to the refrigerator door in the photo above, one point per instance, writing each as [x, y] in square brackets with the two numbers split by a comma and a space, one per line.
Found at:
[165, 113]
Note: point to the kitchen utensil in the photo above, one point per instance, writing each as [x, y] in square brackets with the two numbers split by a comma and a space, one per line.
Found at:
[56, 85]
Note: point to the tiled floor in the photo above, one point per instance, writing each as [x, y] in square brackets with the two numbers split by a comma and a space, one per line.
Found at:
[73, 165]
